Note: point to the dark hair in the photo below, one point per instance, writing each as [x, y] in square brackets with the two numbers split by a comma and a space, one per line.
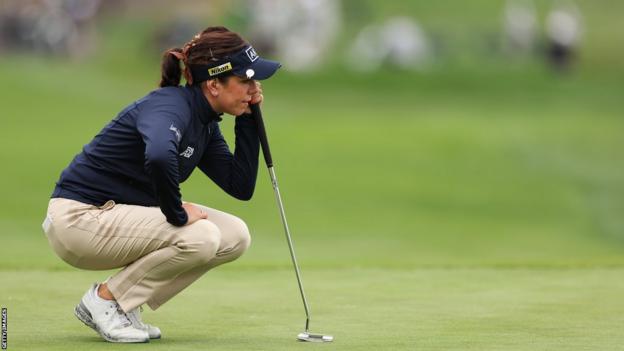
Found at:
[212, 44]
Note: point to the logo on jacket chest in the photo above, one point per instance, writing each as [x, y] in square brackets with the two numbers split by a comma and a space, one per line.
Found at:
[188, 152]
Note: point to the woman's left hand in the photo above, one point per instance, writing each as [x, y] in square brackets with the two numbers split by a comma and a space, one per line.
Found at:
[256, 95]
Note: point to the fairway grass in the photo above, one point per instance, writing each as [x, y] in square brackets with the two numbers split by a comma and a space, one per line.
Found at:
[365, 309]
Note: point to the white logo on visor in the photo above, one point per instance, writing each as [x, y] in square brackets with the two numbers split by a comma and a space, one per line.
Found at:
[251, 53]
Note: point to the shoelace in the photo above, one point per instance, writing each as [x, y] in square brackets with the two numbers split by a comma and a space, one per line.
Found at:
[136, 315]
[122, 315]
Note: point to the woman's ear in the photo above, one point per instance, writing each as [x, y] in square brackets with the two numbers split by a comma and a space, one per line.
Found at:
[212, 86]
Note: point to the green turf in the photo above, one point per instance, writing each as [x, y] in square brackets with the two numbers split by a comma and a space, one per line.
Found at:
[467, 208]
[365, 309]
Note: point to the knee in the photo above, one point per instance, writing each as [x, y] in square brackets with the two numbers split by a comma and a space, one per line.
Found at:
[201, 241]
[243, 237]
[240, 239]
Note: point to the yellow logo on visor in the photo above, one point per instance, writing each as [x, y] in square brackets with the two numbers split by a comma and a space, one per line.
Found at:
[220, 69]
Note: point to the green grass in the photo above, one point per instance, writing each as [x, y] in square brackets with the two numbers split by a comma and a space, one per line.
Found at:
[467, 208]
[365, 309]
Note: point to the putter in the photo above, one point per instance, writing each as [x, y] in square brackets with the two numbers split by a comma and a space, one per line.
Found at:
[306, 335]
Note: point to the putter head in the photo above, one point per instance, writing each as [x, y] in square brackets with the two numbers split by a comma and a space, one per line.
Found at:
[305, 336]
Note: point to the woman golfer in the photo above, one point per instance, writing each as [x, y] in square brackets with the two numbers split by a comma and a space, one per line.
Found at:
[118, 203]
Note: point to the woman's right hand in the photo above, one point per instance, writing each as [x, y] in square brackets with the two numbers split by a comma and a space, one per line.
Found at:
[194, 213]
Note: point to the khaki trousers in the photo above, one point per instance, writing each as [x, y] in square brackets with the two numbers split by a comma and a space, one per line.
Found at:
[159, 260]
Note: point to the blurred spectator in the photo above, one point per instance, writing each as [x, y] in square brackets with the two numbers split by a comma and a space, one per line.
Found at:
[48, 26]
[520, 27]
[81, 10]
[53, 31]
[299, 32]
[9, 25]
[400, 42]
[563, 28]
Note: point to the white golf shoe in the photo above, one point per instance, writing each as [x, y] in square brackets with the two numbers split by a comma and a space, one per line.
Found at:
[135, 318]
[107, 318]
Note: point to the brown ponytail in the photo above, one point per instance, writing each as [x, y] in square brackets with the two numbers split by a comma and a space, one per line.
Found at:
[170, 68]
[211, 44]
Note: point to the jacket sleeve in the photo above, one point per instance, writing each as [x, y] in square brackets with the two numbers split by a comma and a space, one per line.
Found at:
[161, 125]
[234, 173]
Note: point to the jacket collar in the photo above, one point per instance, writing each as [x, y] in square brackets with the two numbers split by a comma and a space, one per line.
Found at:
[201, 107]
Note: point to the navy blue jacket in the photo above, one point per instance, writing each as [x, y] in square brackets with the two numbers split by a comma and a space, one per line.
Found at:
[153, 145]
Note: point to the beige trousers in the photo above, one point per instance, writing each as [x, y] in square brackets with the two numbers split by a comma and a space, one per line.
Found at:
[159, 260]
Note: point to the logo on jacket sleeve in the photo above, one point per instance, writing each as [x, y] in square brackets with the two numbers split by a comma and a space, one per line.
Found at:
[176, 131]
[188, 152]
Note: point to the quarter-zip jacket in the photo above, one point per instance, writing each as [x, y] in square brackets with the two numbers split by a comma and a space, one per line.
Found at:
[153, 145]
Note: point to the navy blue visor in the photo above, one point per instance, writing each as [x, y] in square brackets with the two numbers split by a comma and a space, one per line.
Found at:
[244, 63]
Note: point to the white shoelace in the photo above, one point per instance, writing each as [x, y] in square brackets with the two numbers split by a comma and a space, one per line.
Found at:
[122, 315]
[136, 315]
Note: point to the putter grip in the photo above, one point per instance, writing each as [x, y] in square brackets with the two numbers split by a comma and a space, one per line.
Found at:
[257, 115]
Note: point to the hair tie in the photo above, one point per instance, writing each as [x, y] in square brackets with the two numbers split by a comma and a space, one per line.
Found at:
[179, 55]
[182, 57]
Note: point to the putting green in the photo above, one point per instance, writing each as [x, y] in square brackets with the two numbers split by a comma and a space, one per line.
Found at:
[365, 309]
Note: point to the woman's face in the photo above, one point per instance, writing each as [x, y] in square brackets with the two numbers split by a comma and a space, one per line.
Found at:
[233, 95]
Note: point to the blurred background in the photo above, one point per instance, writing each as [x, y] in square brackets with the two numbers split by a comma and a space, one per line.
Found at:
[405, 133]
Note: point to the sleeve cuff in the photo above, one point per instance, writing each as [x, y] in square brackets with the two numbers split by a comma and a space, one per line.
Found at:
[245, 120]
[179, 221]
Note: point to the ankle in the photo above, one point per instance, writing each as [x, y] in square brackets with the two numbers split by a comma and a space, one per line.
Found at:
[104, 293]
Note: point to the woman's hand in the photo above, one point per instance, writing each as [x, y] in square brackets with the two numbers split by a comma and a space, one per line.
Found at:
[194, 213]
[256, 95]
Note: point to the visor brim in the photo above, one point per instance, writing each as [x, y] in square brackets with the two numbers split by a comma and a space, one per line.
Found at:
[263, 69]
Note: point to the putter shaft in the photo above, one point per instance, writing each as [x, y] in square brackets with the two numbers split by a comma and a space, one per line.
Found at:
[278, 197]
[266, 151]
